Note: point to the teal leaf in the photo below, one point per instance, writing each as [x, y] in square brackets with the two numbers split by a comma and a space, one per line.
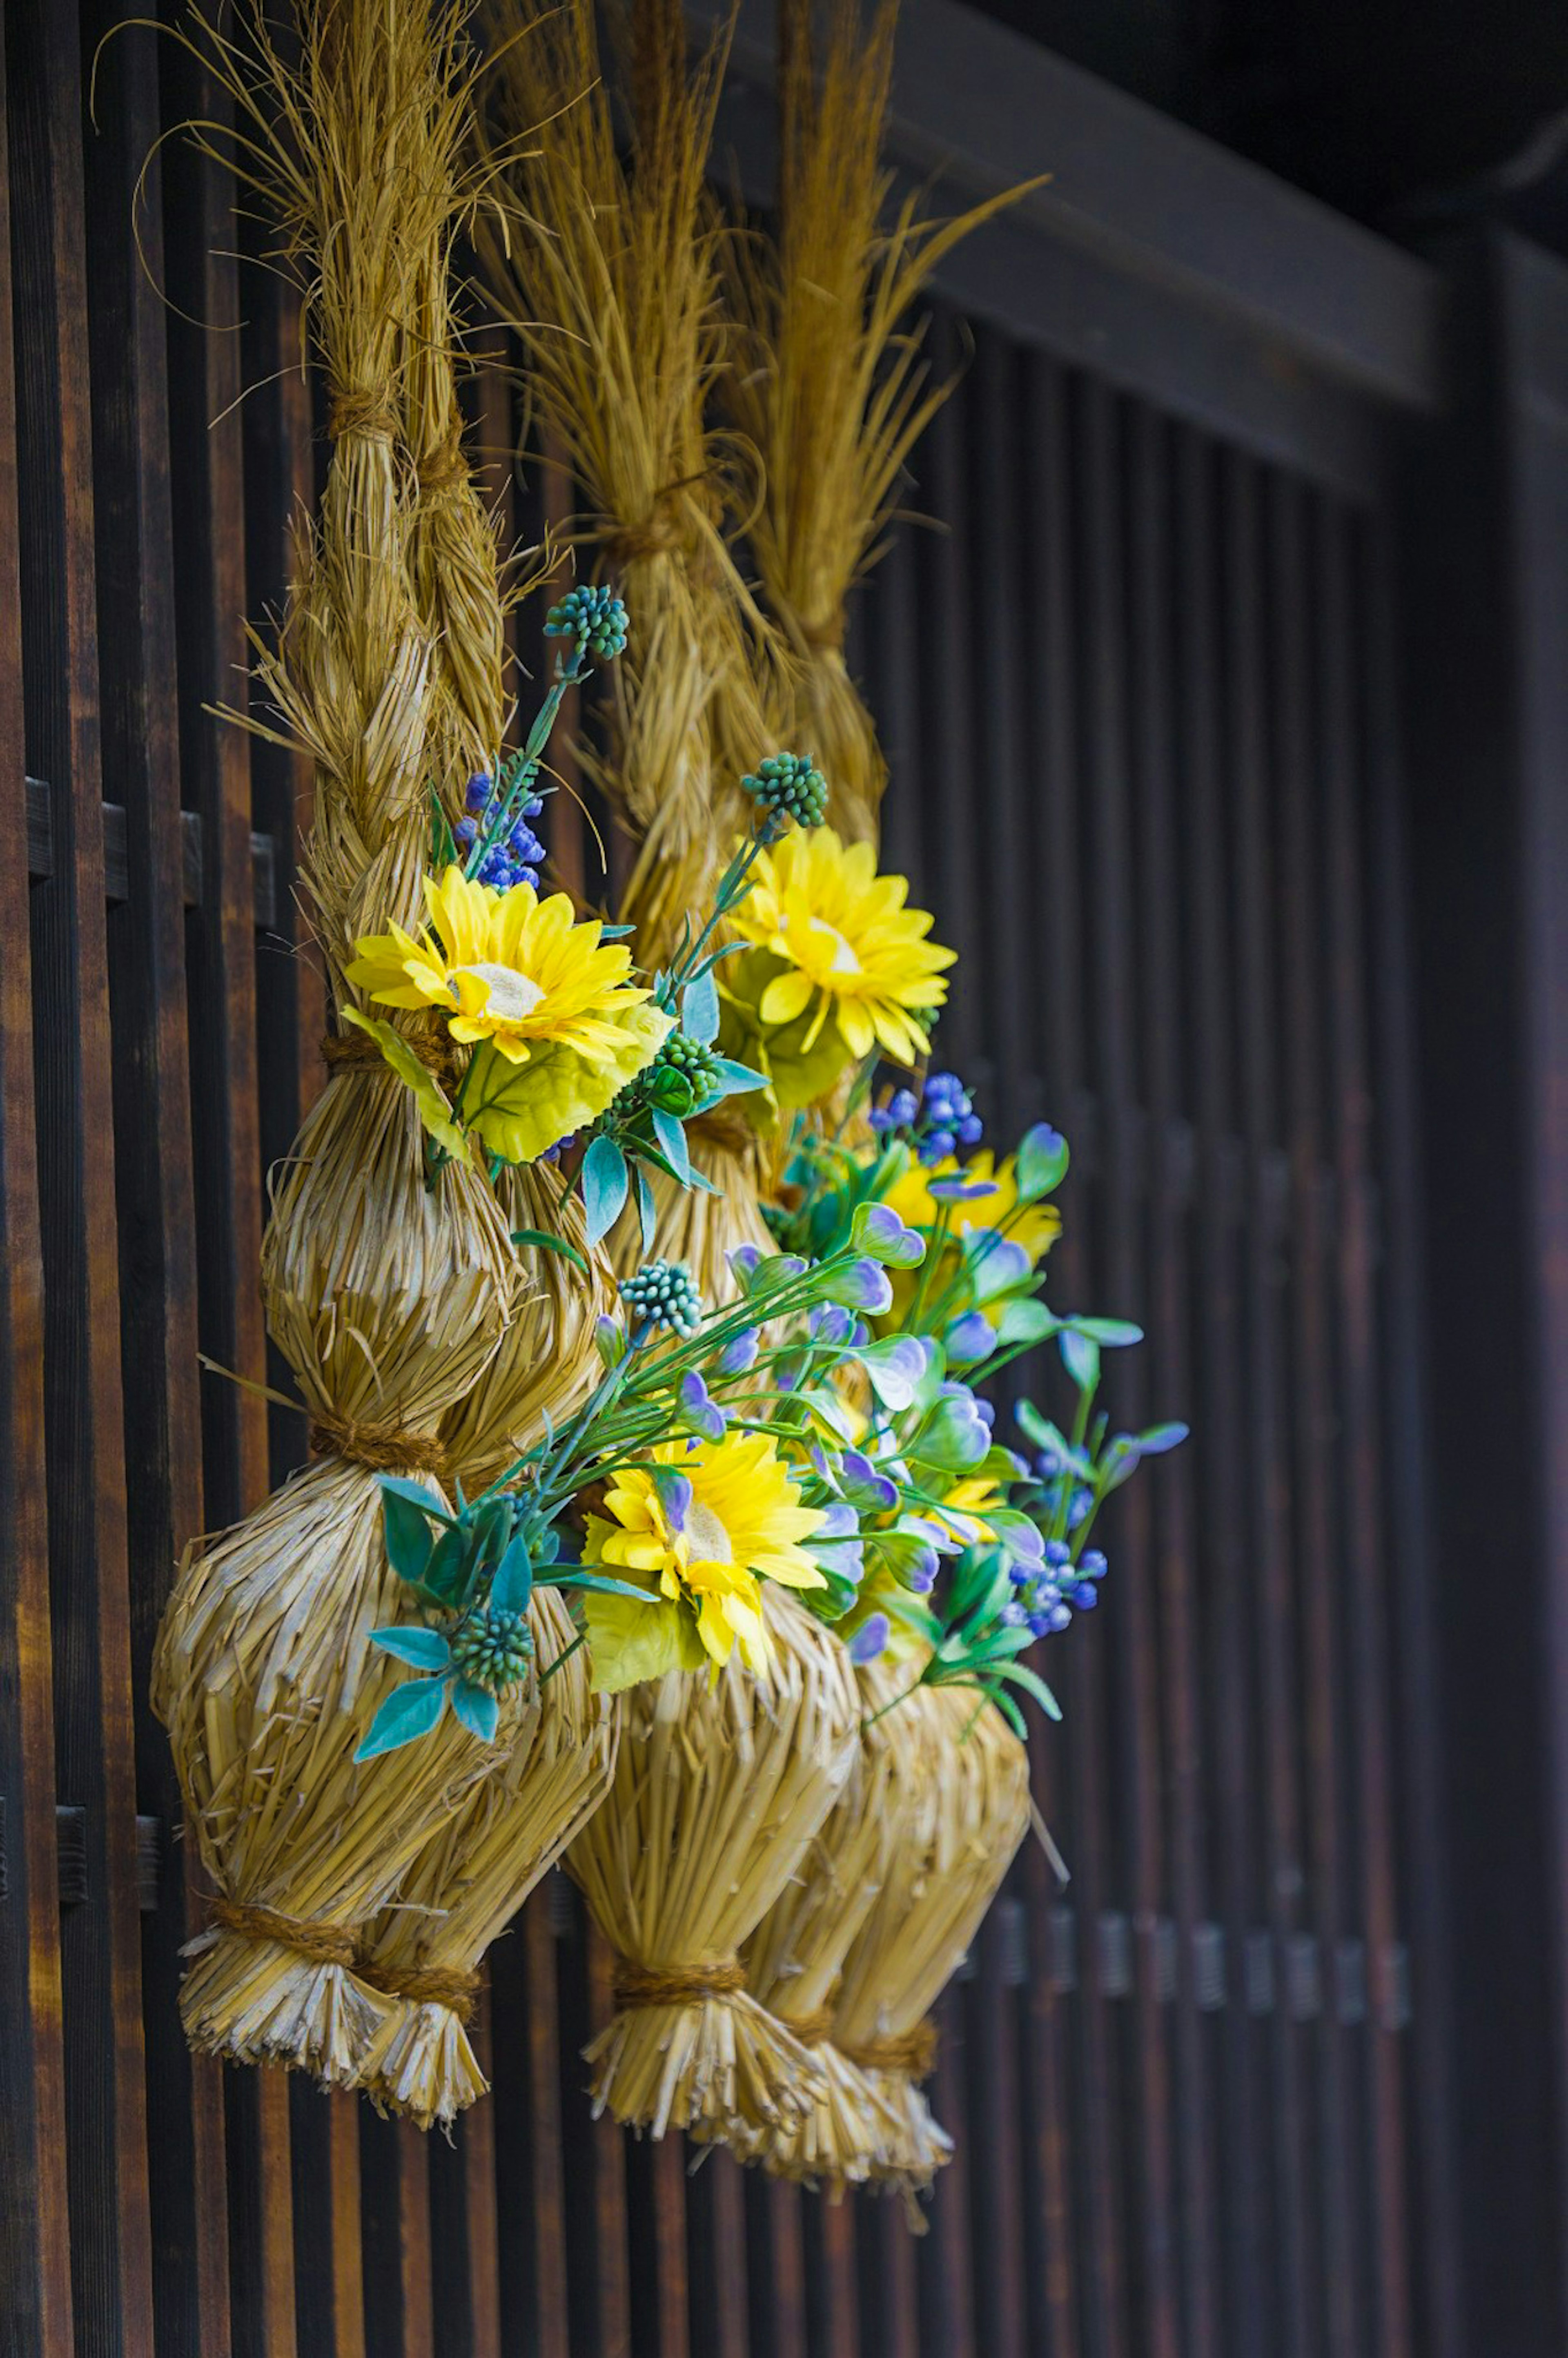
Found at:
[672, 1143]
[1042, 1163]
[604, 1186]
[1080, 1356]
[1110, 1334]
[409, 1539]
[444, 1572]
[1025, 1321]
[409, 1711]
[699, 1009]
[514, 1583]
[544, 1242]
[478, 1710]
[416, 1496]
[736, 1080]
[410, 1642]
[647, 1211]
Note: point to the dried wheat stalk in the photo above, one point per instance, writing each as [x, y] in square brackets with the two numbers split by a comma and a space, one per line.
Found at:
[828, 385]
[606, 260]
[721, 1787]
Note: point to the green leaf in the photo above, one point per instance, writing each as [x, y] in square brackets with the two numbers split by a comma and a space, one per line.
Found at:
[878, 1230]
[406, 1529]
[409, 1711]
[647, 1210]
[671, 1142]
[1040, 1164]
[599, 1584]
[1112, 1334]
[416, 1496]
[1025, 1321]
[544, 1242]
[1080, 1356]
[444, 1572]
[1032, 1683]
[699, 1009]
[604, 1186]
[736, 1080]
[548, 1672]
[631, 1642]
[434, 1111]
[478, 1710]
[514, 1583]
[410, 1642]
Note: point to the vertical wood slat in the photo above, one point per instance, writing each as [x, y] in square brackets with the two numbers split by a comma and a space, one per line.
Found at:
[1217, 1407]
[1153, 572]
[94, 1740]
[211, 583]
[1292, 598]
[35, 2259]
[1125, 1277]
[151, 1069]
[1366, 1531]
[1057, 2324]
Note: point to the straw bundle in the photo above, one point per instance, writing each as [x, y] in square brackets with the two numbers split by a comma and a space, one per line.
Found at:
[721, 1785]
[388, 1300]
[829, 389]
[968, 1813]
[470, 1880]
[702, 1230]
[608, 266]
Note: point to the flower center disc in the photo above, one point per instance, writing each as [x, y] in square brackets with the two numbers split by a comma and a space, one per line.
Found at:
[709, 1540]
[511, 996]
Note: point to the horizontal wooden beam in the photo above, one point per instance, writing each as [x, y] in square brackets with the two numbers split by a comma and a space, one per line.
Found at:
[116, 855]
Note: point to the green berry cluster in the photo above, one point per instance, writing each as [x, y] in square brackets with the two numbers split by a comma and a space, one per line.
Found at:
[662, 1293]
[492, 1650]
[789, 786]
[593, 616]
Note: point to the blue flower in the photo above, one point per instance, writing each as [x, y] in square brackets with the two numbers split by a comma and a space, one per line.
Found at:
[476, 794]
[869, 1639]
[902, 1108]
[970, 1338]
[861, 1284]
[741, 1353]
[701, 1408]
[1091, 1563]
[830, 1323]
[743, 1259]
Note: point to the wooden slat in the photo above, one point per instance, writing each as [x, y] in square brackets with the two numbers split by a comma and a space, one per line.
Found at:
[1132, 1605]
[1366, 1563]
[156, 1196]
[94, 1741]
[1054, 1052]
[1217, 1410]
[1152, 578]
[210, 585]
[1304, 986]
[35, 2263]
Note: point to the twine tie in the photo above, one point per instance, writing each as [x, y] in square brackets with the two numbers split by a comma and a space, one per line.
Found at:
[650, 1986]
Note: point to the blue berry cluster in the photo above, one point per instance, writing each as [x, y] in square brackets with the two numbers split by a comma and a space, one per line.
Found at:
[519, 856]
[789, 786]
[662, 1293]
[1045, 1596]
[1060, 1486]
[592, 615]
[942, 1120]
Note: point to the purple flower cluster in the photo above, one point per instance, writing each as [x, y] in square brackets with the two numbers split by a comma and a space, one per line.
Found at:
[1045, 1595]
[941, 1120]
[519, 856]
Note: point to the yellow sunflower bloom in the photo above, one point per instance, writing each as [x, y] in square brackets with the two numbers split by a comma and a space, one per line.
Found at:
[558, 1024]
[505, 966]
[739, 1521]
[852, 951]
[1035, 1228]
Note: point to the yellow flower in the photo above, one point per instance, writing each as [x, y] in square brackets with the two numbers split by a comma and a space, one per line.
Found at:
[739, 1521]
[1035, 1228]
[964, 1508]
[852, 951]
[559, 1026]
[505, 966]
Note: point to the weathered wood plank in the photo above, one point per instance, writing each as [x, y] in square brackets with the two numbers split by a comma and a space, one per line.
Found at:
[95, 1736]
[35, 2263]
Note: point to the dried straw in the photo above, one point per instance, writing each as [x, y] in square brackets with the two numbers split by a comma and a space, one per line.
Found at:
[703, 1231]
[964, 1820]
[721, 1787]
[829, 387]
[607, 263]
[469, 1882]
[388, 1300]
